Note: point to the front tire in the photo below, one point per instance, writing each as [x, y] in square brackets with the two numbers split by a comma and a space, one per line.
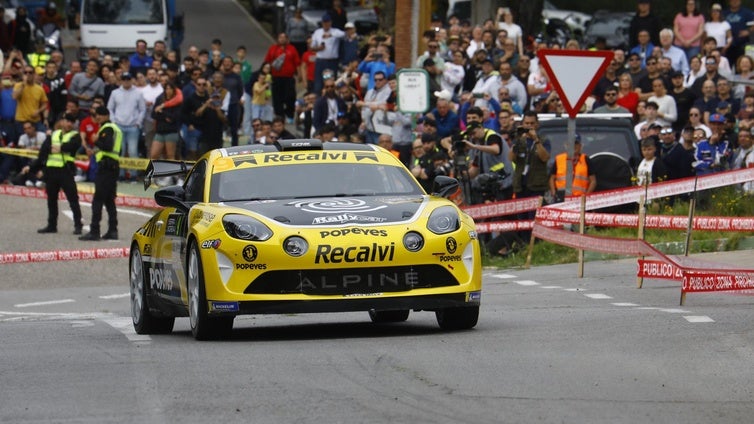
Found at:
[380, 317]
[203, 327]
[461, 318]
[144, 322]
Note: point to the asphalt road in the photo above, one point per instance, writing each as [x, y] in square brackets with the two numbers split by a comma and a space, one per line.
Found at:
[549, 347]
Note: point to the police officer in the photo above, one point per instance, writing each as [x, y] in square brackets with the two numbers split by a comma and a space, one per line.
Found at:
[108, 145]
[56, 154]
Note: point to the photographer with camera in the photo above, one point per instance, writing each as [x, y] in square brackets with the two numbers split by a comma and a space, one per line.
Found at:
[530, 154]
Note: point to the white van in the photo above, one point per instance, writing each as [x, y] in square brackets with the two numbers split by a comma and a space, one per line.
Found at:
[114, 25]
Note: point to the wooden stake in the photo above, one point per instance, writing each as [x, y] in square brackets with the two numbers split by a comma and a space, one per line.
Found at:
[531, 240]
[582, 227]
[640, 235]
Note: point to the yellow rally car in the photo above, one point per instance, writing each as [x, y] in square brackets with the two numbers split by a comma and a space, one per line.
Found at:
[301, 226]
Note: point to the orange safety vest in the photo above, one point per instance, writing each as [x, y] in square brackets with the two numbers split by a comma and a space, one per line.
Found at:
[580, 174]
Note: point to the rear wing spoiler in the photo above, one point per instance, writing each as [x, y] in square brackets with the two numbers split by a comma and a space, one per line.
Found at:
[165, 168]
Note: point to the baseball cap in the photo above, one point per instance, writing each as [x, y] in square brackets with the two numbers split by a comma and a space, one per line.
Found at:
[326, 18]
[350, 25]
[126, 75]
[444, 94]
[716, 6]
[723, 104]
[716, 117]
[102, 111]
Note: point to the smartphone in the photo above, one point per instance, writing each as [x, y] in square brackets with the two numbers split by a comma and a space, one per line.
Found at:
[377, 56]
[478, 95]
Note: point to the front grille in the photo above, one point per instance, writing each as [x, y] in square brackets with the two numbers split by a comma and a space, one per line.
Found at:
[352, 280]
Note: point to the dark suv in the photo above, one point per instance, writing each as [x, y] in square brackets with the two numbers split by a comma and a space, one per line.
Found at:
[610, 143]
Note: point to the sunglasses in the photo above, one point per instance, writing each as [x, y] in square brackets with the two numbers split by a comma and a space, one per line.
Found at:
[379, 79]
[28, 72]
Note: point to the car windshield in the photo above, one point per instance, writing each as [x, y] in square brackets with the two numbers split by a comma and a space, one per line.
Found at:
[311, 180]
[123, 12]
[593, 140]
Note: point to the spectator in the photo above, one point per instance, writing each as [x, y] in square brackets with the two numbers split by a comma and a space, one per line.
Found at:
[675, 157]
[688, 29]
[667, 113]
[475, 43]
[712, 154]
[338, 15]
[50, 15]
[88, 129]
[609, 79]
[644, 89]
[650, 170]
[516, 89]
[327, 107]
[744, 72]
[308, 65]
[233, 83]
[650, 119]
[260, 98]
[684, 99]
[139, 61]
[150, 91]
[453, 73]
[487, 84]
[57, 93]
[278, 126]
[30, 139]
[738, 17]
[31, 102]
[743, 157]
[746, 114]
[434, 85]
[85, 85]
[159, 50]
[375, 99]
[724, 95]
[377, 60]
[643, 46]
[284, 61]
[349, 46]
[530, 152]
[697, 122]
[433, 52]
[610, 102]
[635, 68]
[718, 28]
[707, 103]
[127, 110]
[695, 71]
[514, 31]
[709, 49]
[210, 117]
[167, 124]
[443, 116]
[677, 57]
[711, 74]
[20, 31]
[297, 30]
[326, 42]
[644, 20]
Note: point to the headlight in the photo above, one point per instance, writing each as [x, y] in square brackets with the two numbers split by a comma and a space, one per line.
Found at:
[246, 228]
[413, 242]
[444, 220]
[295, 246]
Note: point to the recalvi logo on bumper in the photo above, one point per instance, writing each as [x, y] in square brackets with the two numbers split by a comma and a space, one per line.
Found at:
[327, 254]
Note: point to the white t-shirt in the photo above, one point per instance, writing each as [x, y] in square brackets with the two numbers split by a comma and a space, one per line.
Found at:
[644, 172]
[717, 30]
[35, 143]
[514, 31]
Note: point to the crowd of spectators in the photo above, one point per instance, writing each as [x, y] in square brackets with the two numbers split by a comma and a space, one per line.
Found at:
[678, 82]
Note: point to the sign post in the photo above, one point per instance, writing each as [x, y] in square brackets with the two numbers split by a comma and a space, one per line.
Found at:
[573, 74]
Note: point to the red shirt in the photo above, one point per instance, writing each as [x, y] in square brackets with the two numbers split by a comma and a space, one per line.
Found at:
[309, 58]
[89, 128]
[290, 64]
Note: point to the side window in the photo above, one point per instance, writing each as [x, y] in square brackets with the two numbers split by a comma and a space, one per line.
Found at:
[195, 183]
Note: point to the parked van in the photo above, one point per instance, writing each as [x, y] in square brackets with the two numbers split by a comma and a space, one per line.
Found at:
[114, 26]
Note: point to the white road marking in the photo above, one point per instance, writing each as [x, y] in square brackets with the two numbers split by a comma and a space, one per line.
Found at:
[115, 296]
[120, 210]
[675, 311]
[551, 287]
[649, 308]
[698, 318]
[624, 304]
[526, 283]
[126, 327]
[49, 302]
[502, 276]
[597, 296]
[572, 290]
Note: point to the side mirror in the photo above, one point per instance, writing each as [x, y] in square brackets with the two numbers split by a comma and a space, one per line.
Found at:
[173, 196]
[444, 186]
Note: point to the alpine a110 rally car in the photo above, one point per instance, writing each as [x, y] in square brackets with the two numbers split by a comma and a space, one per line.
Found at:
[301, 226]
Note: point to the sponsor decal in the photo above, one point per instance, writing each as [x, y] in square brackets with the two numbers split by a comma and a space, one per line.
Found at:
[147, 250]
[354, 231]
[346, 217]
[175, 225]
[361, 156]
[338, 205]
[451, 245]
[240, 161]
[148, 230]
[211, 244]
[349, 282]
[204, 218]
[296, 157]
[251, 267]
[373, 253]
[450, 258]
[250, 253]
[161, 279]
[224, 306]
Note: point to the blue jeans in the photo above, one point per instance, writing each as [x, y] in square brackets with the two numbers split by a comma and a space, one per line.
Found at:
[190, 139]
[130, 147]
[246, 125]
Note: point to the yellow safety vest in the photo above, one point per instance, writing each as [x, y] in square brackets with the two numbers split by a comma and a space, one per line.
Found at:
[38, 59]
[115, 154]
[580, 174]
[58, 160]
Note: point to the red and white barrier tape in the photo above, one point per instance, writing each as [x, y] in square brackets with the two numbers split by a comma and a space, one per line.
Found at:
[130, 201]
[505, 207]
[664, 222]
[502, 226]
[64, 255]
[695, 281]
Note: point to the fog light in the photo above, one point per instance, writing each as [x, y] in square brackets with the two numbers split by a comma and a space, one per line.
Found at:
[413, 241]
[295, 246]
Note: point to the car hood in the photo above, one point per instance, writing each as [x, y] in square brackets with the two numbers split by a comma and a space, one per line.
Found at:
[337, 210]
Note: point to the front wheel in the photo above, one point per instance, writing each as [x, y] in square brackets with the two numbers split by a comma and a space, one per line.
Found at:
[388, 316]
[203, 327]
[144, 322]
[461, 318]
